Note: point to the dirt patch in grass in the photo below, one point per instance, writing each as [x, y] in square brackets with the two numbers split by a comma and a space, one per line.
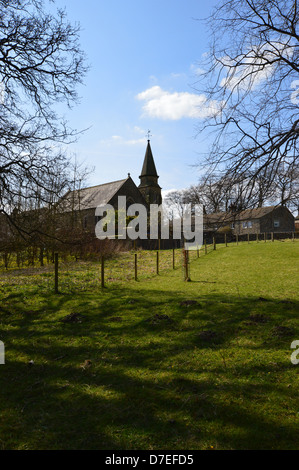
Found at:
[286, 302]
[257, 319]
[72, 318]
[282, 331]
[208, 335]
[159, 319]
[116, 319]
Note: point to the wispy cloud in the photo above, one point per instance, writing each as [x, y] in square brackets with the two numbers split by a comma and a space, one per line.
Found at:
[177, 75]
[139, 130]
[165, 105]
[135, 141]
[196, 70]
[258, 65]
[119, 140]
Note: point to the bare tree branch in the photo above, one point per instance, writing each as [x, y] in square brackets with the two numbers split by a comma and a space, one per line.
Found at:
[252, 72]
[41, 64]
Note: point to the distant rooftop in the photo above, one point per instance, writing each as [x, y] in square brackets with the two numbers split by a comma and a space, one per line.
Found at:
[243, 215]
[90, 198]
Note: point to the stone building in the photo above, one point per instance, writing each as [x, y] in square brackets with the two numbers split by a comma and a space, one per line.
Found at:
[81, 204]
[272, 219]
[149, 186]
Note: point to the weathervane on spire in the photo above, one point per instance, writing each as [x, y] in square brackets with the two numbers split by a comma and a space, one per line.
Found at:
[149, 135]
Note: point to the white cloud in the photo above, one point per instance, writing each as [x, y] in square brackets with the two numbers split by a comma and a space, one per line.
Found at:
[139, 130]
[153, 79]
[177, 75]
[196, 70]
[135, 135]
[258, 65]
[162, 104]
[135, 141]
[119, 140]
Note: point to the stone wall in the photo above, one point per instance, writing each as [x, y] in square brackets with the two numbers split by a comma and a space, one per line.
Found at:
[283, 216]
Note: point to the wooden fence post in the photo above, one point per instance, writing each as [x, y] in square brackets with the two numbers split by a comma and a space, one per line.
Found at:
[265, 238]
[214, 243]
[272, 236]
[173, 258]
[257, 237]
[186, 264]
[157, 262]
[293, 236]
[225, 239]
[206, 248]
[248, 237]
[102, 271]
[136, 268]
[237, 239]
[56, 272]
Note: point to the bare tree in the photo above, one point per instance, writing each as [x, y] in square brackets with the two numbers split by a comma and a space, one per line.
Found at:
[285, 189]
[252, 73]
[40, 65]
[174, 203]
[207, 192]
[218, 193]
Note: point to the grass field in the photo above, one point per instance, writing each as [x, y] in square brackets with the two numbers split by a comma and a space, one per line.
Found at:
[155, 364]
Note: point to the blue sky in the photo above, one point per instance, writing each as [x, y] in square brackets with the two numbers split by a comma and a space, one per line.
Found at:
[144, 58]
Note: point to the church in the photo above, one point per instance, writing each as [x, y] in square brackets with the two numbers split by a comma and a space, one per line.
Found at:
[85, 201]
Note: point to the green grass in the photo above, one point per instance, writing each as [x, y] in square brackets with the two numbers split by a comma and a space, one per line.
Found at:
[163, 374]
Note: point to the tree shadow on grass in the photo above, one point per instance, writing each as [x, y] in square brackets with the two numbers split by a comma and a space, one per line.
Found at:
[150, 385]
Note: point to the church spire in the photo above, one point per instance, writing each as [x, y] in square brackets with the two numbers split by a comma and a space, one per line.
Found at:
[149, 167]
[149, 186]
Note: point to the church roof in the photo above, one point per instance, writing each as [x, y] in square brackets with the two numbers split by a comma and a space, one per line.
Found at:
[149, 167]
[90, 198]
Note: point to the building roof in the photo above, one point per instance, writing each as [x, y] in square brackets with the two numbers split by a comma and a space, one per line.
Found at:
[218, 217]
[257, 213]
[149, 167]
[227, 217]
[90, 198]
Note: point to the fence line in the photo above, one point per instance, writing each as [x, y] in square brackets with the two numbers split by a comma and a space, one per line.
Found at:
[136, 265]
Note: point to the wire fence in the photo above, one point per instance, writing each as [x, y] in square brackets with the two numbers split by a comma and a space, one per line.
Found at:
[68, 276]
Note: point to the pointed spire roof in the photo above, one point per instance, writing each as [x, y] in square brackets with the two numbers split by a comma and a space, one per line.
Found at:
[149, 167]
